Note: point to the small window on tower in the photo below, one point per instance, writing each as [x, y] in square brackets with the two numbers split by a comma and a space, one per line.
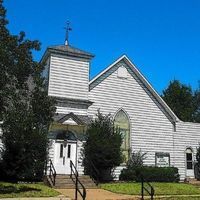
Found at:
[122, 72]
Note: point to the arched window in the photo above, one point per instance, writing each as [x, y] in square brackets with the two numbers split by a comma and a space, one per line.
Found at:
[189, 158]
[121, 120]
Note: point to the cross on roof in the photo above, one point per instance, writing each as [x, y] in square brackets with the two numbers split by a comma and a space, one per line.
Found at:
[67, 28]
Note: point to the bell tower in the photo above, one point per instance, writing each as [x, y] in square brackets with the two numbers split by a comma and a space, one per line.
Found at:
[67, 69]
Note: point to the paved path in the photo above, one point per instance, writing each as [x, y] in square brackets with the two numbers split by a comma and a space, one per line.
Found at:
[60, 197]
[98, 194]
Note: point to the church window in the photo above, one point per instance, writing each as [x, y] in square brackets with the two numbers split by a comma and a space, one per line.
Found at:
[121, 121]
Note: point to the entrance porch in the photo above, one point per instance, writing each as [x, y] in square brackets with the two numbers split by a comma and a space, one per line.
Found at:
[66, 138]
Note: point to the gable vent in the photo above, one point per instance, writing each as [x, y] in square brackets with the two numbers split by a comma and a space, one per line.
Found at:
[122, 72]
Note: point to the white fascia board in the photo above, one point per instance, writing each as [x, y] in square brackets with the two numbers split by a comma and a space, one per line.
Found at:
[105, 70]
[153, 91]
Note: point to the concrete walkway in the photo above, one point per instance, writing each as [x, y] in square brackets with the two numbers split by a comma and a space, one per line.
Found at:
[98, 194]
[60, 197]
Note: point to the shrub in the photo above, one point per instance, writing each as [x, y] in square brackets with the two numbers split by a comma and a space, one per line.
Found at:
[197, 165]
[151, 174]
[128, 175]
[136, 159]
[102, 146]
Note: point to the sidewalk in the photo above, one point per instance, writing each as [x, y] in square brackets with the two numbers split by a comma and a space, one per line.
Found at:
[60, 197]
[98, 194]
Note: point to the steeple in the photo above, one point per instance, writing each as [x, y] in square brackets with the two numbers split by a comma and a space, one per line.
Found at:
[68, 69]
[67, 28]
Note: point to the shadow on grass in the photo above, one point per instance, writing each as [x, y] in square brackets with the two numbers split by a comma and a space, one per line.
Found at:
[12, 189]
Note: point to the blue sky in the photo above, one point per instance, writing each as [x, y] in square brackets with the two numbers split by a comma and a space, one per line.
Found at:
[162, 38]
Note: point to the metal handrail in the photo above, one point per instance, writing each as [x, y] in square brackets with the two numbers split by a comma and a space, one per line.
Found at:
[77, 182]
[52, 172]
[143, 188]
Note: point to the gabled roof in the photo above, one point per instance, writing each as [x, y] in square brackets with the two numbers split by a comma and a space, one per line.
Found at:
[67, 50]
[99, 78]
[79, 119]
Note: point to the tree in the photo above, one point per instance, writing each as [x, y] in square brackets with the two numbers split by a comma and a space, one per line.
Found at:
[180, 99]
[25, 108]
[196, 114]
[16, 58]
[103, 146]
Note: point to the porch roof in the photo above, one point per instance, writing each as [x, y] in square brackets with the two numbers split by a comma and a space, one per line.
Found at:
[79, 119]
[65, 135]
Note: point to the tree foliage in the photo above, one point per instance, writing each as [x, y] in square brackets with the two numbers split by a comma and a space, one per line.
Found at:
[198, 155]
[136, 159]
[25, 108]
[103, 145]
[183, 101]
[196, 114]
[197, 164]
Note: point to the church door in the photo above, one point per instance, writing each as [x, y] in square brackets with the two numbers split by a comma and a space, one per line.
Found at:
[189, 163]
[64, 152]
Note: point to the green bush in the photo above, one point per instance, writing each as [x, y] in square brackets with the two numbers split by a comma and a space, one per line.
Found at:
[102, 147]
[197, 165]
[151, 174]
[136, 159]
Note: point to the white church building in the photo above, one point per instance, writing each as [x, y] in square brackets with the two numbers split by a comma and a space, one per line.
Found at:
[146, 121]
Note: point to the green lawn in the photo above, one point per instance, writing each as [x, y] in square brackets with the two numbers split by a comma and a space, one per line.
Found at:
[26, 190]
[178, 198]
[160, 188]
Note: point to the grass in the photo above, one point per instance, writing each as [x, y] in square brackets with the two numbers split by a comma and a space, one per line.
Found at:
[178, 198]
[160, 189]
[11, 190]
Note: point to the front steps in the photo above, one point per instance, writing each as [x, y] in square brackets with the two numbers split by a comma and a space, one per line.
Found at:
[65, 182]
[192, 181]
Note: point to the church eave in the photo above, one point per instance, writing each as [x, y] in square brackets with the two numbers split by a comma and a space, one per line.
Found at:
[65, 102]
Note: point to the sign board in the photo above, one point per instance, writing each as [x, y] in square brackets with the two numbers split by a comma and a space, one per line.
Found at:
[162, 159]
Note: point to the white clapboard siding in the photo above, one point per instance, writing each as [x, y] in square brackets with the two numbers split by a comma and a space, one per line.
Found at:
[51, 153]
[67, 110]
[51, 149]
[80, 167]
[187, 135]
[117, 171]
[68, 77]
[151, 130]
